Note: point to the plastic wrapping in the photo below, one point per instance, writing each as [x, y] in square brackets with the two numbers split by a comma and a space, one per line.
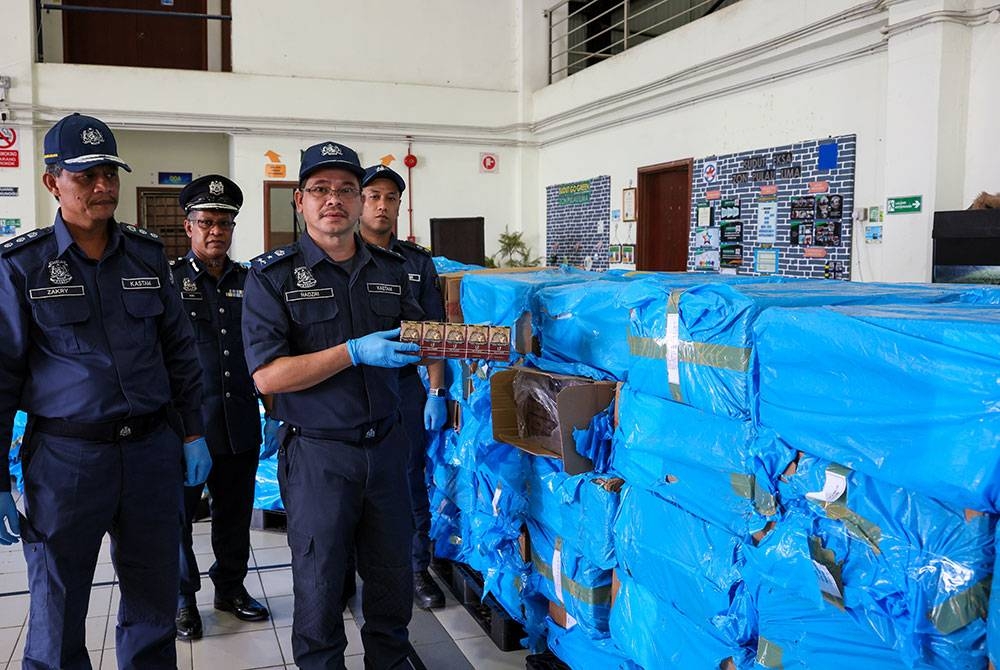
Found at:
[535, 397]
[499, 299]
[910, 568]
[564, 576]
[800, 629]
[993, 622]
[14, 455]
[654, 634]
[443, 265]
[905, 394]
[582, 652]
[696, 345]
[682, 560]
[579, 508]
[594, 442]
[714, 467]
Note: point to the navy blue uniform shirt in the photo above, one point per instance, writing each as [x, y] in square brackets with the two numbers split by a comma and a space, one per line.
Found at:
[423, 282]
[215, 306]
[92, 340]
[298, 301]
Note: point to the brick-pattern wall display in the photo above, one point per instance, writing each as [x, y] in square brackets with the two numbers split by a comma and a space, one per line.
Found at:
[788, 169]
[576, 222]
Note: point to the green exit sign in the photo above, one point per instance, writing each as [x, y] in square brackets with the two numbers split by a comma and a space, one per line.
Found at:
[909, 204]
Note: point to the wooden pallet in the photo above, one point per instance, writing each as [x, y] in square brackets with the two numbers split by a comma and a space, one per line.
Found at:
[269, 519]
[466, 585]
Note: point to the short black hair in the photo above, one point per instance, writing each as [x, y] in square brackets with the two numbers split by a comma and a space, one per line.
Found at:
[53, 170]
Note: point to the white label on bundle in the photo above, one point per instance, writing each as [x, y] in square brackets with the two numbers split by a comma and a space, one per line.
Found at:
[827, 584]
[496, 500]
[673, 342]
[570, 621]
[833, 488]
[557, 574]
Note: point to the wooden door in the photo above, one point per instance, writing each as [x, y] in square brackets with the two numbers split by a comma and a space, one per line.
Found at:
[96, 38]
[282, 224]
[160, 212]
[460, 239]
[664, 216]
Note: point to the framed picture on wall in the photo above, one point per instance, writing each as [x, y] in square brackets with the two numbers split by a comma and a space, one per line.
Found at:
[615, 254]
[628, 254]
[628, 204]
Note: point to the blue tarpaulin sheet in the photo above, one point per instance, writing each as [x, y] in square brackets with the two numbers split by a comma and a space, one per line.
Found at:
[443, 265]
[715, 467]
[696, 346]
[907, 394]
[582, 652]
[499, 299]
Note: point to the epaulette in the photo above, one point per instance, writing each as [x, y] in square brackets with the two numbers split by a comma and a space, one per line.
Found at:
[374, 248]
[141, 233]
[174, 262]
[415, 247]
[269, 258]
[24, 240]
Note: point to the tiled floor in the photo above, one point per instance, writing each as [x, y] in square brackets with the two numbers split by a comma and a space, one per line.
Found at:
[447, 639]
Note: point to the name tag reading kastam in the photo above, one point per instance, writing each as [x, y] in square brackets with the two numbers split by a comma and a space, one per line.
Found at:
[386, 289]
[140, 283]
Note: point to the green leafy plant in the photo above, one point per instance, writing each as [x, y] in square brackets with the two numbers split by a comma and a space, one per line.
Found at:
[513, 252]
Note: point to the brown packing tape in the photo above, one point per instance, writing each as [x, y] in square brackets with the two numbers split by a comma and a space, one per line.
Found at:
[616, 586]
[727, 664]
[769, 654]
[597, 595]
[963, 608]
[558, 614]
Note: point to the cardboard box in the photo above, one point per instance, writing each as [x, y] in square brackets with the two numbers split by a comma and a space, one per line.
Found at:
[616, 586]
[575, 407]
[558, 614]
[450, 284]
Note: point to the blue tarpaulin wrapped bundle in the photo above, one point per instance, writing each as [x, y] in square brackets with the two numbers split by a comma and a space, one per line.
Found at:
[913, 569]
[654, 634]
[993, 622]
[906, 394]
[579, 508]
[715, 467]
[444, 265]
[696, 346]
[683, 561]
[564, 576]
[582, 652]
[14, 455]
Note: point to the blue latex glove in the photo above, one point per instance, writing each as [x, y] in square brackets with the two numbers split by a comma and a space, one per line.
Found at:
[8, 513]
[197, 462]
[271, 444]
[382, 351]
[435, 412]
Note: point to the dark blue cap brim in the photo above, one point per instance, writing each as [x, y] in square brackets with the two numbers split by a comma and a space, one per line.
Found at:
[81, 163]
[336, 163]
[392, 176]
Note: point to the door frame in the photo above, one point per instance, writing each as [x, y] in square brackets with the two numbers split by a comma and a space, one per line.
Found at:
[268, 185]
[643, 234]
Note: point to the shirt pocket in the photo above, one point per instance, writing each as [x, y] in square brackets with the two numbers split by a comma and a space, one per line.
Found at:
[387, 308]
[201, 319]
[144, 309]
[63, 322]
[316, 326]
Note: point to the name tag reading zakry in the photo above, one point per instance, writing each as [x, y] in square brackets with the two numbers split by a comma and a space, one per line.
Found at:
[414, 277]
[390, 289]
[139, 283]
[308, 294]
[55, 292]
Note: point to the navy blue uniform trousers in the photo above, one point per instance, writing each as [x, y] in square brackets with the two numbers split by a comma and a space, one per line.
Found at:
[413, 397]
[342, 497]
[75, 491]
[231, 483]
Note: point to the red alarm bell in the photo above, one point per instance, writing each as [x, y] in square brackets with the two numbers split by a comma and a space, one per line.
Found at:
[410, 160]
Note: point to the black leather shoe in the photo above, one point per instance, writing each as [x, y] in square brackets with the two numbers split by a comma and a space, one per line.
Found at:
[243, 607]
[427, 594]
[188, 623]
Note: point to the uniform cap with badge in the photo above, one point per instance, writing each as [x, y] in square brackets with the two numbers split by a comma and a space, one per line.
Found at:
[213, 191]
[78, 143]
[383, 172]
[329, 155]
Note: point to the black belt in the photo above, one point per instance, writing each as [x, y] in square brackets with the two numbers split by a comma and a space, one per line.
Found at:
[131, 428]
[365, 435]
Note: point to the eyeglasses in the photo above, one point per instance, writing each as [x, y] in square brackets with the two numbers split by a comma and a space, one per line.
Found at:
[208, 224]
[343, 193]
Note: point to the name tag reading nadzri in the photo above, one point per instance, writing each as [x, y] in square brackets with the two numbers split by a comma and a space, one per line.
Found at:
[308, 294]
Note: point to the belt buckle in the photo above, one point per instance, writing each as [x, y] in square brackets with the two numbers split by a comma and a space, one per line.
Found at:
[124, 431]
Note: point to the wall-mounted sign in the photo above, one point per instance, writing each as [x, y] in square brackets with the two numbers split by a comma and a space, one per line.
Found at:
[730, 231]
[9, 226]
[826, 233]
[873, 234]
[769, 189]
[577, 193]
[729, 210]
[10, 158]
[765, 261]
[489, 163]
[274, 168]
[704, 216]
[819, 186]
[802, 209]
[767, 222]
[706, 260]
[814, 252]
[731, 255]
[713, 195]
[909, 204]
[829, 206]
[8, 138]
[710, 172]
[801, 234]
[8, 191]
[174, 178]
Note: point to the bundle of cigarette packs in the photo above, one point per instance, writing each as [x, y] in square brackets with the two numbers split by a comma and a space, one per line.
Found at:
[457, 340]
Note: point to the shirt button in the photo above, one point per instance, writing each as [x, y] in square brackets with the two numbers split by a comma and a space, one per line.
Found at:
[226, 373]
[223, 331]
[227, 394]
[222, 310]
[225, 352]
[194, 314]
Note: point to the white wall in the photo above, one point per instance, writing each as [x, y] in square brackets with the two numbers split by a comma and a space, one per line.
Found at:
[982, 144]
[431, 42]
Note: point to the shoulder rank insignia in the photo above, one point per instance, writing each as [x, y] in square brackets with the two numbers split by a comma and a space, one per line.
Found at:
[25, 239]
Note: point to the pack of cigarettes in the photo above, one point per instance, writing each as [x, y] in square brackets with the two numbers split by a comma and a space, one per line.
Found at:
[457, 340]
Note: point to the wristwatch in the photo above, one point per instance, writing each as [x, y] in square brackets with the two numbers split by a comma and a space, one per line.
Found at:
[438, 393]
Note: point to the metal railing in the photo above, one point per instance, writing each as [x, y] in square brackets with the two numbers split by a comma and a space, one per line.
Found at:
[585, 32]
